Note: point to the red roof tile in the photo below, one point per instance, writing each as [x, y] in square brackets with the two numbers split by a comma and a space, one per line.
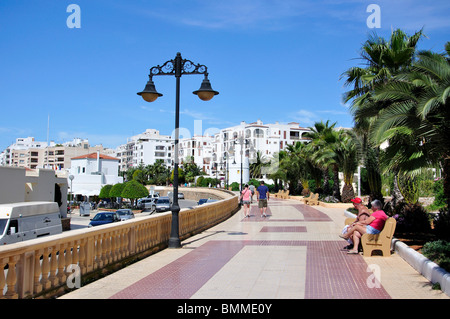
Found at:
[94, 156]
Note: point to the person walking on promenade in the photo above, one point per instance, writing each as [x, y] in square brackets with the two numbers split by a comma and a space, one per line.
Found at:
[363, 214]
[372, 225]
[245, 197]
[262, 196]
[252, 189]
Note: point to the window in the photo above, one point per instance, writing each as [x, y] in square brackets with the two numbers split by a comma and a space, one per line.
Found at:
[258, 133]
[13, 227]
[3, 223]
[294, 135]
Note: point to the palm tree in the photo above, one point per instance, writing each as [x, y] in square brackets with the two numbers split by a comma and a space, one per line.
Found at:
[321, 136]
[382, 61]
[347, 151]
[257, 167]
[274, 172]
[417, 120]
[297, 166]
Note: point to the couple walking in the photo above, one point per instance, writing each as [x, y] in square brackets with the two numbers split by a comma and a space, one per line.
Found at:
[262, 195]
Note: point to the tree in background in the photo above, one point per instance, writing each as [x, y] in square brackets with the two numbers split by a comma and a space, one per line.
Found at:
[416, 119]
[134, 190]
[383, 60]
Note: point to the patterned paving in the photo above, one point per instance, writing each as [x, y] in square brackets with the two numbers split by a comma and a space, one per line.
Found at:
[294, 253]
[284, 229]
[330, 273]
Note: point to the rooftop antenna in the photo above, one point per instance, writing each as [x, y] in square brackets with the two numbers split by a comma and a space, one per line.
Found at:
[48, 130]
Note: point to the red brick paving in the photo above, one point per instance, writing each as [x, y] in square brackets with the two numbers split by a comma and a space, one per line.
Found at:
[283, 229]
[330, 272]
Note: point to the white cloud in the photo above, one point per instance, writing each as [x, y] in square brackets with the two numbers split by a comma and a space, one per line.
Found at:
[275, 14]
[107, 140]
[225, 14]
[304, 117]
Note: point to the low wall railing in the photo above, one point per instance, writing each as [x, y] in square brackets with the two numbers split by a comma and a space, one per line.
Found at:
[47, 267]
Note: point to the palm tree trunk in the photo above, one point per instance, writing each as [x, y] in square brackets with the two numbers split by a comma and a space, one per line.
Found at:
[336, 184]
[348, 193]
[397, 196]
[326, 185]
[373, 175]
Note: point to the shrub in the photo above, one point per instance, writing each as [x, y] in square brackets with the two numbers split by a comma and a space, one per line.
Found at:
[235, 186]
[411, 218]
[439, 196]
[104, 192]
[439, 252]
[134, 190]
[441, 224]
[200, 181]
[116, 190]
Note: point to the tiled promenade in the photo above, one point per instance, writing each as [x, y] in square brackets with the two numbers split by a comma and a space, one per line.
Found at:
[295, 252]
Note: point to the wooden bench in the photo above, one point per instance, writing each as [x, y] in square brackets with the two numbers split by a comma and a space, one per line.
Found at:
[278, 194]
[381, 241]
[312, 200]
[285, 194]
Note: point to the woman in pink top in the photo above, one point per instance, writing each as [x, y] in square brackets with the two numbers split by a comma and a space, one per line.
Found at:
[372, 225]
[245, 197]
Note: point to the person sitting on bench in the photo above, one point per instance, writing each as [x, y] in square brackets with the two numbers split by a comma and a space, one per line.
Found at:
[363, 214]
[372, 225]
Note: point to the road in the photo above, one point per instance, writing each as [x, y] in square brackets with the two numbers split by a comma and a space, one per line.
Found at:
[78, 222]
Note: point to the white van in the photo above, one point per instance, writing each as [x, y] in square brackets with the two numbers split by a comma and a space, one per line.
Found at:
[28, 220]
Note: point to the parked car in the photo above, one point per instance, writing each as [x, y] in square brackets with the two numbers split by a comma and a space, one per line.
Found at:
[162, 204]
[206, 200]
[104, 218]
[147, 203]
[125, 214]
[170, 195]
[155, 195]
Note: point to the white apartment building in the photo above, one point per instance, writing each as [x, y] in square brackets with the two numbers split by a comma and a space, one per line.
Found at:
[197, 149]
[25, 152]
[145, 149]
[217, 154]
[250, 138]
[28, 153]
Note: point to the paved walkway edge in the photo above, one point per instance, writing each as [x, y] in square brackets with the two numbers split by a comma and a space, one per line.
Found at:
[419, 262]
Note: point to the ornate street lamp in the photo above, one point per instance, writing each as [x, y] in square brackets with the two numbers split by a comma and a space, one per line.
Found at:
[177, 67]
[242, 142]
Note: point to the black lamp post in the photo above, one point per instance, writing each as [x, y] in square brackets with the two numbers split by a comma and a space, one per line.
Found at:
[177, 67]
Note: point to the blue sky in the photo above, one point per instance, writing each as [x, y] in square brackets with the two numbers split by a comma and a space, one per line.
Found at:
[270, 59]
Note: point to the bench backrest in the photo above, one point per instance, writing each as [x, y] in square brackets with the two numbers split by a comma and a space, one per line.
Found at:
[389, 228]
